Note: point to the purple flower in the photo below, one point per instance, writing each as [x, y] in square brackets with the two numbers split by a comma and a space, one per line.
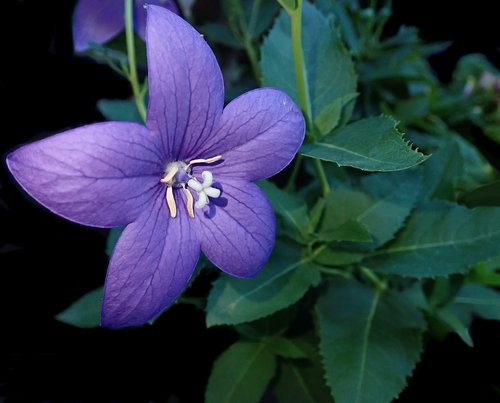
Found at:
[181, 185]
[100, 20]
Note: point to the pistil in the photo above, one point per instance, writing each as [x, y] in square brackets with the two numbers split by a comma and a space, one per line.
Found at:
[178, 175]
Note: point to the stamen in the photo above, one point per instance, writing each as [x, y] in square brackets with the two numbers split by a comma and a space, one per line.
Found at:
[205, 161]
[190, 201]
[168, 177]
[171, 202]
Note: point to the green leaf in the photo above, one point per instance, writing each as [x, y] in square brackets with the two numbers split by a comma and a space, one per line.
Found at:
[113, 236]
[282, 282]
[316, 214]
[370, 341]
[471, 300]
[291, 208]
[349, 230]
[241, 374]
[288, 5]
[329, 68]
[393, 197]
[440, 239]
[84, 313]
[119, 110]
[261, 19]
[332, 257]
[220, 33]
[330, 116]
[302, 381]
[287, 348]
[486, 272]
[381, 210]
[456, 324]
[486, 195]
[372, 144]
[474, 299]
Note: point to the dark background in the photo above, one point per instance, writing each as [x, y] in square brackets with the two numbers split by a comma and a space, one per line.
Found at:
[46, 262]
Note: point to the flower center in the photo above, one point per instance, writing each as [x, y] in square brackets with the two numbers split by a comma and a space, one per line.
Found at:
[178, 176]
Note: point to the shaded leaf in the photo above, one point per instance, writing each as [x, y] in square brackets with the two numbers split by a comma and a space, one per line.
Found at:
[332, 257]
[220, 33]
[113, 236]
[291, 208]
[440, 239]
[287, 348]
[302, 380]
[282, 282]
[350, 230]
[119, 110]
[84, 313]
[370, 341]
[381, 210]
[486, 195]
[472, 300]
[241, 374]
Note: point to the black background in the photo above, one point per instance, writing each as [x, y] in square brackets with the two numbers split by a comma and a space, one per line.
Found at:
[47, 262]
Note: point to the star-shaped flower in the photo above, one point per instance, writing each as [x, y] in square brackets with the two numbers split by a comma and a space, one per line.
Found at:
[99, 21]
[148, 178]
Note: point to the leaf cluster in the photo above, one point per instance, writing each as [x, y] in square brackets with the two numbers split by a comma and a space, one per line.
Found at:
[381, 245]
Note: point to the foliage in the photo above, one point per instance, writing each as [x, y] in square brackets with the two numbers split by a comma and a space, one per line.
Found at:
[366, 258]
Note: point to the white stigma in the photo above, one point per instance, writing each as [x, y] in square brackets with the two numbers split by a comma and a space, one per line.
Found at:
[204, 190]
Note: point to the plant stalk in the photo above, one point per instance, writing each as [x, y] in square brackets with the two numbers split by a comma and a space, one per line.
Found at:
[132, 70]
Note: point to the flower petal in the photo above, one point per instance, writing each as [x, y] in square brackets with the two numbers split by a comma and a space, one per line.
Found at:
[97, 21]
[151, 265]
[237, 230]
[259, 134]
[185, 84]
[100, 175]
[140, 13]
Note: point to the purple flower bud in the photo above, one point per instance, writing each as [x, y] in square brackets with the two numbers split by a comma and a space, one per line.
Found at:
[101, 20]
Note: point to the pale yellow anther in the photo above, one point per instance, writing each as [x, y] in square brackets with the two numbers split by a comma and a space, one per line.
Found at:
[171, 202]
[168, 177]
[205, 161]
[190, 201]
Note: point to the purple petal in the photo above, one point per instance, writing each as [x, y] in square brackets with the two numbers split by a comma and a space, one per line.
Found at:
[259, 134]
[185, 84]
[97, 21]
[141, 14]
[151, 265]
[238, 231]
[100, 175]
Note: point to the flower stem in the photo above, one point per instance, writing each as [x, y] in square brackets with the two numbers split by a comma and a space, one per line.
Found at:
[290, 185]
[252, 56]
[300, 67]
[303, 85]
[325, 186]
[132, 70]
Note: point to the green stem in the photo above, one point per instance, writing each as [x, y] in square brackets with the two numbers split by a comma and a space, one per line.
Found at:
[252, 56]
[335, 272]
[303, 85]
[290, 185]
[325, 187]
[300, 67]
[379, 283]
[132, 73]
